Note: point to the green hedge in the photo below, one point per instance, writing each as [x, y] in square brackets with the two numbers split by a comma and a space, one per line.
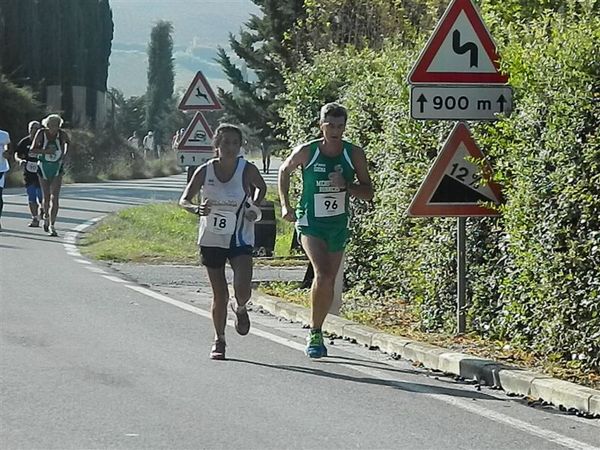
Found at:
[534, 272]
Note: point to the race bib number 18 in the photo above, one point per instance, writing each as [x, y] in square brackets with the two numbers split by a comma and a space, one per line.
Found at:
[221, 222]
[328, 205]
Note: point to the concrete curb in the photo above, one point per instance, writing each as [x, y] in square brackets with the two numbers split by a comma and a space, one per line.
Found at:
[485, 371]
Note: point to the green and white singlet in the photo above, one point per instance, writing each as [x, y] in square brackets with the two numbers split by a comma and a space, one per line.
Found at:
[323, 208]
[51, 163]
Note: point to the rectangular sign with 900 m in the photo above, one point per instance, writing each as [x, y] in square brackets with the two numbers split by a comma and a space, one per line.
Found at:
[460, 102]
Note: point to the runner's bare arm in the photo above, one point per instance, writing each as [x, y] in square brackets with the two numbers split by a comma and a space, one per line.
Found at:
[17, 157]
[298, 158]
[364, 188]
[7, 151]
[36, 143]
[66, 140]
[192, 189]
[257, 184]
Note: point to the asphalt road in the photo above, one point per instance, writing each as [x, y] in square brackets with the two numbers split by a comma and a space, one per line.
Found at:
[92, 357]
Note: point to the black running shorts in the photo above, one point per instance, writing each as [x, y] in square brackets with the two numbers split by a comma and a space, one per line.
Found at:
[216, 257]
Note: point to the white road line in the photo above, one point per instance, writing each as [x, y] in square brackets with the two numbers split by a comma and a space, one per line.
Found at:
[469, 406]
[70, 237]
[83, 261]
[95, 269]
[115, 279]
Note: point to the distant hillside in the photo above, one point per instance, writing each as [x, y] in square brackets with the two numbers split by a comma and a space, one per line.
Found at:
[200, 26]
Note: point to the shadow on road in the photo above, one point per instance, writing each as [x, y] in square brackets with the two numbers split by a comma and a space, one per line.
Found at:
[38, 235]
[402, 385]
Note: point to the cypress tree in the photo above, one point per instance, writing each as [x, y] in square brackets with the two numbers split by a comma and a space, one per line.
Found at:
[161, 76]
[57, 42]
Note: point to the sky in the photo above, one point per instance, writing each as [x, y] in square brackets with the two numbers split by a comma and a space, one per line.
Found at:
[200, 26]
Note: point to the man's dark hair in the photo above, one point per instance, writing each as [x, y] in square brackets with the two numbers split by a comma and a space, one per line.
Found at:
[223, 128]
[334, 110]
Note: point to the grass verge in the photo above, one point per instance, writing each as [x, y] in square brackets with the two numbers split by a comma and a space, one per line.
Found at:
[165, 233]
[157, 233]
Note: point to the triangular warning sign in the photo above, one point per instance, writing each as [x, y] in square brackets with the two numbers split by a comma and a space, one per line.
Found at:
[197, 136]
[460, 50]
[199, 96]
[457, 186]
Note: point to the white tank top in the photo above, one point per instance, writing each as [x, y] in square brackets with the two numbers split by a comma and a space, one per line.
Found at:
[225, 226]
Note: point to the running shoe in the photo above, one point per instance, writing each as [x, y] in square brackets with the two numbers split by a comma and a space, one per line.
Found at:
[315, 347]
[35, 223]
[52, 231]
[218, 349]
[242, 320]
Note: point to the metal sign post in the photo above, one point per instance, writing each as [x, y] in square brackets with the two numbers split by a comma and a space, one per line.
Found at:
[461, 250]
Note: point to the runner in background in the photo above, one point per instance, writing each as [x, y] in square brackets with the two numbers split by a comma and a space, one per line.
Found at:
[29, 162]
[230, 189]
[51, 144]
[266, 157]
[134, 142]
[329, 167]
[4, 166]
[148, 144]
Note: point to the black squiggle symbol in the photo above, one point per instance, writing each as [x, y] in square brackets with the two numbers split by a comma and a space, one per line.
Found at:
[468, 47]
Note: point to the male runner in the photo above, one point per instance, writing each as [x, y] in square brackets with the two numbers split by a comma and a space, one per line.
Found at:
[330, 167]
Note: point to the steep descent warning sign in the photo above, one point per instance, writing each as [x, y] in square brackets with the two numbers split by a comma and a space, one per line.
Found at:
[456, 185]
[460, 50]
[199, 96]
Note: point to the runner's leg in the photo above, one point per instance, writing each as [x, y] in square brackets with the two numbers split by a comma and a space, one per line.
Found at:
[45, 185]
[326, 265]
[1, 189]
[40, 200]
[218, 283]
[242, 278]
[31, 189]
[55, 186]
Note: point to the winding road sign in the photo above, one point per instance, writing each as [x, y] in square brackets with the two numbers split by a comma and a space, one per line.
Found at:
[456, 185]
[460, 50]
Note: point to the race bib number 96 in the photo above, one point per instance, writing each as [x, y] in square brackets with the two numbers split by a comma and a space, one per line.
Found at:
[329, 205]
[221, 222]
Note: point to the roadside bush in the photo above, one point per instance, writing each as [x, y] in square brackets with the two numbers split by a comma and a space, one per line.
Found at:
[106, 155]
[534, 272]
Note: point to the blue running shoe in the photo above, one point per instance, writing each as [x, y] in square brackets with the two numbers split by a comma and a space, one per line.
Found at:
[315, 348]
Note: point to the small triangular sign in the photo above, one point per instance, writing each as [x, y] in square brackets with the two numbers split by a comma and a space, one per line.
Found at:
[197, 136]
[460, 50]
[455, 185]
[199, 96]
